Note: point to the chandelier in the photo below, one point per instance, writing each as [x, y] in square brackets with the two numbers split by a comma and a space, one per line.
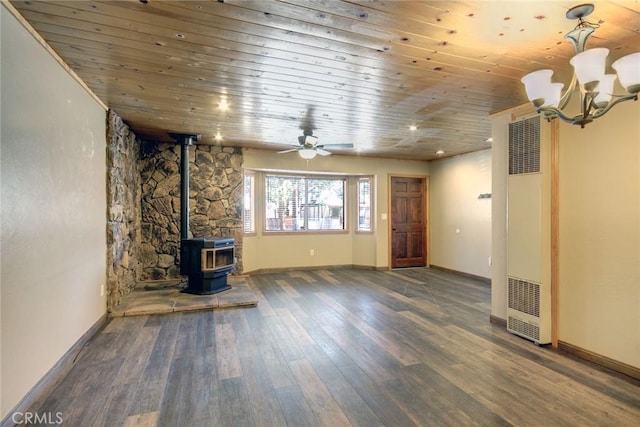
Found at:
[595, 86]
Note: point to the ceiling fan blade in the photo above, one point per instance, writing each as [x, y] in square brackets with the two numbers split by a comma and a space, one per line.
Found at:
[337, 145]
[288, 151]
[322, 152]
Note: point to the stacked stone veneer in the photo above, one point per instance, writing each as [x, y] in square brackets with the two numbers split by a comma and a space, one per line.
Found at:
[124, 213]
[215, 202]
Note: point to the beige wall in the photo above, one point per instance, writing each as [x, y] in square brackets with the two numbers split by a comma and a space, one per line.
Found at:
[500, 171]
[460, 222]
[284, 251]
[599, 263]
[53, 201]
[600, 235]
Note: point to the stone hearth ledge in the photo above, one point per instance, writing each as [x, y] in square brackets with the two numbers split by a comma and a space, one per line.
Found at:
[166, 297]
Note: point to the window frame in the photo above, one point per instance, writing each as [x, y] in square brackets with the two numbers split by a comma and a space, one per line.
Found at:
[307, 177]
[358, 204]
[253, 209]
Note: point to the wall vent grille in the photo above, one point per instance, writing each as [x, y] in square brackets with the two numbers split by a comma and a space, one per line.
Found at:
[524, 146]
[524, 328]
[524, 296]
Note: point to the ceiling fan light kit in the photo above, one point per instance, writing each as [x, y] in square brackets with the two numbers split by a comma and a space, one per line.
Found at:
[595, 86]
[307, 153]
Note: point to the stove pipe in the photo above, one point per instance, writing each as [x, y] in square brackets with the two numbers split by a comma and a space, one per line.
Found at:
[185, 140]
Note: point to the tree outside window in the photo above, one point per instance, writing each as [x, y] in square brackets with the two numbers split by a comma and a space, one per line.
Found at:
[304, 203]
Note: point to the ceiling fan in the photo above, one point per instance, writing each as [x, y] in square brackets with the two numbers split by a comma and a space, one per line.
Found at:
[308, 146]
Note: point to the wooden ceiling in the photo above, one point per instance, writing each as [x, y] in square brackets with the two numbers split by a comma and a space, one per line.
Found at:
[358, 72]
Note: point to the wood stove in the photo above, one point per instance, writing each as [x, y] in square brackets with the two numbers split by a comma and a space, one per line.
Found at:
[207, 261]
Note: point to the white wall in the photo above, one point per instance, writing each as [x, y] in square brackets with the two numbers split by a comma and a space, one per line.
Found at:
[284, 251]
[460, 222]
[53, 211]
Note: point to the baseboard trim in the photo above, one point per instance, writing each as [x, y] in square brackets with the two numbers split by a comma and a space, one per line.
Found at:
[52, 378]
[598, 359]
[309, 268]
[498, 321]
[485, 280]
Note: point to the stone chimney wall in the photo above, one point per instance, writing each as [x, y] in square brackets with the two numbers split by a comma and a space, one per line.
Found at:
[123, 204]
[215, 202]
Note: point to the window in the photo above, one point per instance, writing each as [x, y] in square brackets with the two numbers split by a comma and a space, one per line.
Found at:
[364, 204]
[304, 203]
[248, 210]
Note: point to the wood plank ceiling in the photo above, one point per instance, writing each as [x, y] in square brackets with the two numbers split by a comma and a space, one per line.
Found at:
[358, 72]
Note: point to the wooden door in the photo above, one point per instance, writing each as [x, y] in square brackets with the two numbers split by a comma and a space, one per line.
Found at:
[408, 222]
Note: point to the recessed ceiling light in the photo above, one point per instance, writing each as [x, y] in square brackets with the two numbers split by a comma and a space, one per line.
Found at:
[413, 127]
[440, 152]
[218, 137]
[223, 105]
[490, 139]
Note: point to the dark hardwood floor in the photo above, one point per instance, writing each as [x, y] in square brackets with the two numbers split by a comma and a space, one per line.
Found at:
[337, 347]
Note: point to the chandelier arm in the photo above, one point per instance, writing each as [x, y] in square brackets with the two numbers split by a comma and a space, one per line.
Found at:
[553, 112]
[567, 95]
[602, 111]
[587, 104]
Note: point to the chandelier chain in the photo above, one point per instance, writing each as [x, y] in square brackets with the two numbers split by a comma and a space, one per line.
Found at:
[582, 23]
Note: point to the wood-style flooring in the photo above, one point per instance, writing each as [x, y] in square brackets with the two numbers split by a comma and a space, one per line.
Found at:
[337, 347]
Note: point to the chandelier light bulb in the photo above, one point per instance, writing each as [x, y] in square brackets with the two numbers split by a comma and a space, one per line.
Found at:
[605, 90]
[540, 90]
[589, 65]
[537, 84]
[628, 69]
[552, 97]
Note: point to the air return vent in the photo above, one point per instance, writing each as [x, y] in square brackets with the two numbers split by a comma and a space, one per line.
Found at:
[524, 296]
[527, 330]
[524, 146]
[523, 310]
